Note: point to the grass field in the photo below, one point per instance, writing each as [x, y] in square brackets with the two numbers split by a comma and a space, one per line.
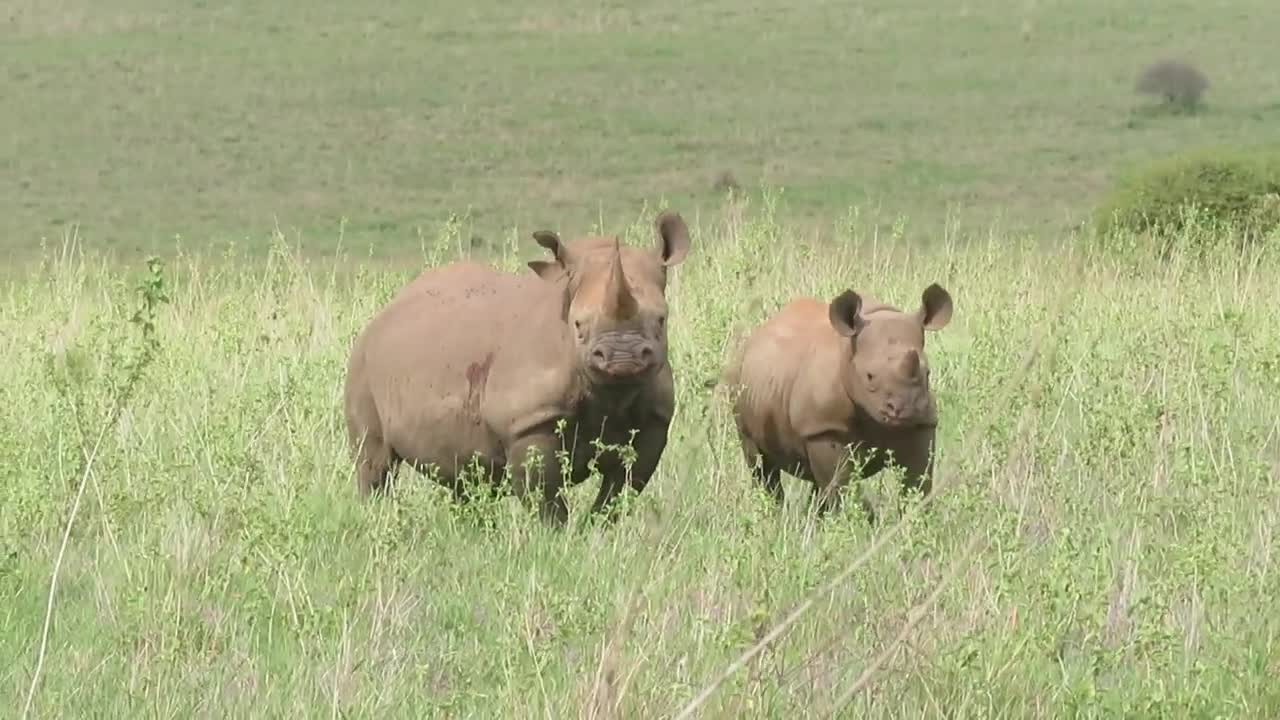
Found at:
[1105, 538]
[135, 121]
[1104, 542]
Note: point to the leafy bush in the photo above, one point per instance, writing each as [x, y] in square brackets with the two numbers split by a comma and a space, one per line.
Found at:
[1239, 189]
[1178, 83]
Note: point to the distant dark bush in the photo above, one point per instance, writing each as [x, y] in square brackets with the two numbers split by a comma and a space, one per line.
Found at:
[1177, 83]
[1224, 188]
[726, 182]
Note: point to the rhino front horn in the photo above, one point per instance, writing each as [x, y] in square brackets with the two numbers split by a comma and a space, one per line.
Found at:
[619, 302]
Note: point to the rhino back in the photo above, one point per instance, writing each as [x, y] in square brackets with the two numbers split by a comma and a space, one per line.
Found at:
[455, 360]
[776, 372]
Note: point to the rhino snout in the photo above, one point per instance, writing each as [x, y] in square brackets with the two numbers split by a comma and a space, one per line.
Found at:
[901, 411]
[894, 412]
[623, 361]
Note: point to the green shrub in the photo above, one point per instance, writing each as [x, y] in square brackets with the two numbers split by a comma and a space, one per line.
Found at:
[1237, 189]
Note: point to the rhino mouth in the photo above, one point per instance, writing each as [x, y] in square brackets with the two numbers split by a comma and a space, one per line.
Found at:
[913, 424]
[625, 371]
[907, 421]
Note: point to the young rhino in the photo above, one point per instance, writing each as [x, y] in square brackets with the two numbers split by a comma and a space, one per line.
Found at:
[470, 363]
[817, 379]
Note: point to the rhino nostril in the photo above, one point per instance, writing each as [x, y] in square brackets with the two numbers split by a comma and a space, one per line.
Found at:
[646, 354]
[599, 356]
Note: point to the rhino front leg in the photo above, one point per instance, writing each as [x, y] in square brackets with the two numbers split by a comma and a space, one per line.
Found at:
[649, 445]
[916, 458]
[536, 474]
[829, 463]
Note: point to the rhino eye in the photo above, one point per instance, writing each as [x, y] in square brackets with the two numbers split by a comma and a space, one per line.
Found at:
[662, 321]
[870, 377]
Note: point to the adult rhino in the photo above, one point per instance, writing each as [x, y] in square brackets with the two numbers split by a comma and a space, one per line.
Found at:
[819, 379]
[468, 363]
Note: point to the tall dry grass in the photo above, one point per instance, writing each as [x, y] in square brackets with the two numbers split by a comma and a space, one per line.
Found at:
[1101, 543]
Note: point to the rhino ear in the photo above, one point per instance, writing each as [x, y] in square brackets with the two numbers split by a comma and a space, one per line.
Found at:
[551, 241]
[547, 270]
[673, 235]
[845, 314]
[935, 307]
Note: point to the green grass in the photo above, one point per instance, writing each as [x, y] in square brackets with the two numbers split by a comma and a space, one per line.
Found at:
[1109, 423]
[1109, 438]
[135, 121]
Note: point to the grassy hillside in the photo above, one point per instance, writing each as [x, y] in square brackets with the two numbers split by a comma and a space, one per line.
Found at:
[135, 121]
[1104, 542]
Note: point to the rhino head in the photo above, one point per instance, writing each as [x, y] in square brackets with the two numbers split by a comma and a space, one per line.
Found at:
[888, 375]
[615, 299]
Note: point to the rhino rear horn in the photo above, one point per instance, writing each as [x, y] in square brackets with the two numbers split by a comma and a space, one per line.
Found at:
[911, 363]
[845, 313]
[673, 236]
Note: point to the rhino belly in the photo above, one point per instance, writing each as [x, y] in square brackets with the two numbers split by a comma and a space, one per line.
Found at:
[763, 418]
[443, 432]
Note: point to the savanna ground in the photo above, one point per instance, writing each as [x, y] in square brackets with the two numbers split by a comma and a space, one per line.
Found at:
[1104, 540]
[136, 121]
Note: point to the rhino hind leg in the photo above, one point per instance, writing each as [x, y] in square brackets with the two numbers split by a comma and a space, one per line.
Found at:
[765, 473]
[376, 462]
[768, 476]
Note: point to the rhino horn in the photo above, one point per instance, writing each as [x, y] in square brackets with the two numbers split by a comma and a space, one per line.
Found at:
[911, 363]
[619, 302]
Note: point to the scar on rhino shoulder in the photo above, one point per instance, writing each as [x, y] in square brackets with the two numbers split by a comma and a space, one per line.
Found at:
[477, 378]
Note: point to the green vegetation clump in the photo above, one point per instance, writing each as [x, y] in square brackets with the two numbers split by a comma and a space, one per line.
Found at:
[1236, 191]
